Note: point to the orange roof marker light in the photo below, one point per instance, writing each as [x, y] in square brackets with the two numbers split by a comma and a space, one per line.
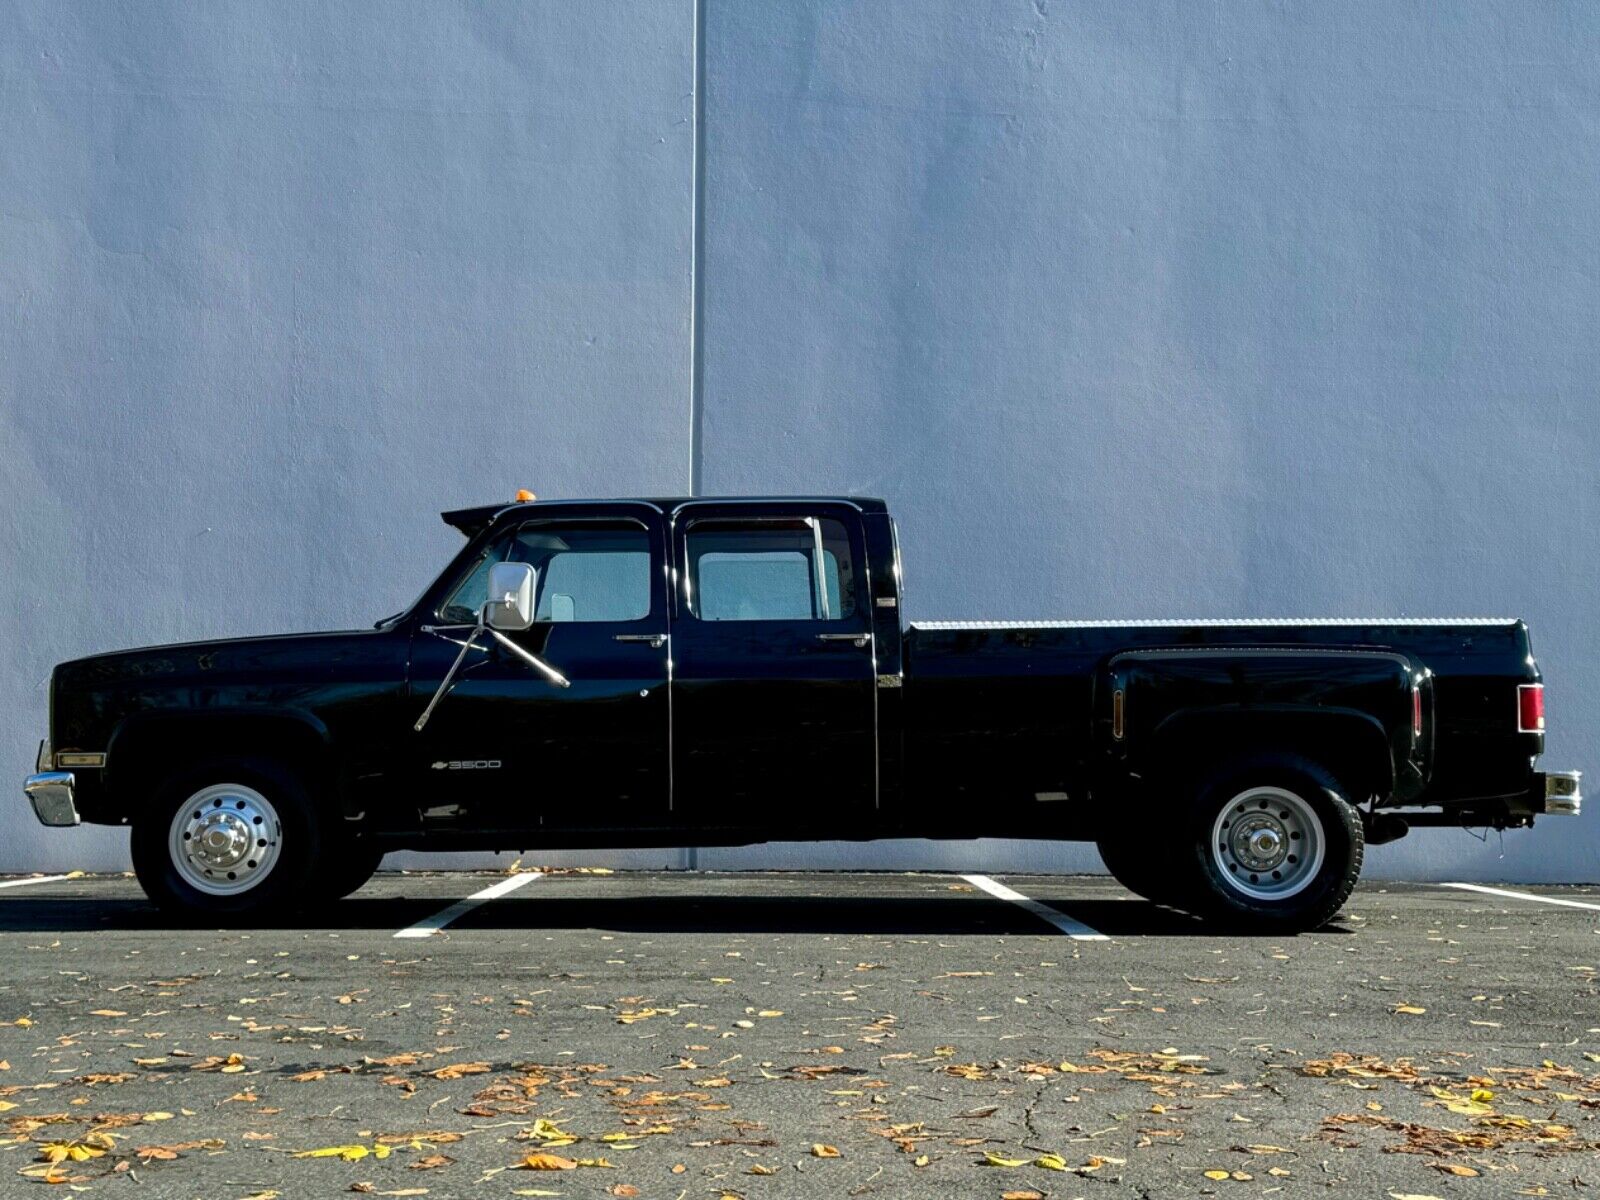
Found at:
[523, 495]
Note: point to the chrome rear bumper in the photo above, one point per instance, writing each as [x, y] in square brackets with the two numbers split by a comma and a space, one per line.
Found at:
[50, 793]
[1563, 793]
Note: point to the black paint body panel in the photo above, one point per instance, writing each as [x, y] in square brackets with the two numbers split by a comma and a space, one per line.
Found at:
[740, 731]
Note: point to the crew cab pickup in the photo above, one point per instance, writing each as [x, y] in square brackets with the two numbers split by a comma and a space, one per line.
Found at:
[731, 671]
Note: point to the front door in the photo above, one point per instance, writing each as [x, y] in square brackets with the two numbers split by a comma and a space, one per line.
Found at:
[506, 748]
[774, 703]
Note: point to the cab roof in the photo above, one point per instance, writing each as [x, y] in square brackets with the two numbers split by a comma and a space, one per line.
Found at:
[471, 521]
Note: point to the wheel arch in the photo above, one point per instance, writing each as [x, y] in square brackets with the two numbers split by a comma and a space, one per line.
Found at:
[1349, 744]
[147, 746]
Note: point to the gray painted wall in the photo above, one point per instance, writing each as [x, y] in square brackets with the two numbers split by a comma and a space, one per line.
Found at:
[281, 281]
[1146, 309]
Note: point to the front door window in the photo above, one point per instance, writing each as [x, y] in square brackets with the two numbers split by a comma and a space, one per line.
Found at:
[587, 573]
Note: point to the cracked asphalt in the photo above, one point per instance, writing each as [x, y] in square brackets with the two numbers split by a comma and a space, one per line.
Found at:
[767, 1035]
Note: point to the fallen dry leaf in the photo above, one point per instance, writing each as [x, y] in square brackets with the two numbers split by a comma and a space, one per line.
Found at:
[546, 1162]
[172, 1151]
[457, 1070]
[819, 1150]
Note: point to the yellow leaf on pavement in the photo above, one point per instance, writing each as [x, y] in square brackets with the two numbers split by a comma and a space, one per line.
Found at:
[1051, 1162]
[548, 1133]
[991, 1159]
[351, 1153]
[820, 1150]
[1216, 1175]
[54, 1152]
[1410, 1010]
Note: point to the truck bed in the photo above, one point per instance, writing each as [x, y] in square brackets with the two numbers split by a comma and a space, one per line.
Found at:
[1012, 706]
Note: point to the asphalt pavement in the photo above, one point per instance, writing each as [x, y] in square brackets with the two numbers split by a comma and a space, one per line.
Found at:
[774, 1035]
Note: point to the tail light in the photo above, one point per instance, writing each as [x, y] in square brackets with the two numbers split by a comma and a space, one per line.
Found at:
[1416, 712]
[1530, 708]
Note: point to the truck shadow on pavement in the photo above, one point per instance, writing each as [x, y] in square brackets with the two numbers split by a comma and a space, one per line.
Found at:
[643, 913]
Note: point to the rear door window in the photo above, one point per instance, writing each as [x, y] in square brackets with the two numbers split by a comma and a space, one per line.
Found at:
[793, 569]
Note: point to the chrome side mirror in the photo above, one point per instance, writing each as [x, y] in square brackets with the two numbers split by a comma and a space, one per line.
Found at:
[511, 591]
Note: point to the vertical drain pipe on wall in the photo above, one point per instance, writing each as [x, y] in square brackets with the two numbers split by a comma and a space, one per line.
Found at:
[697, 190]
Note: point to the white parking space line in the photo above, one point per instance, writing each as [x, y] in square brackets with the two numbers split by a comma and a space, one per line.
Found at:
[444, 917]
[1489, 891]
[1076, 930]
[35, 879]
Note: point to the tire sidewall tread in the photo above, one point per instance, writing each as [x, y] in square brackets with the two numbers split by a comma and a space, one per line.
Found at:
[291, 879]
[1342, 831]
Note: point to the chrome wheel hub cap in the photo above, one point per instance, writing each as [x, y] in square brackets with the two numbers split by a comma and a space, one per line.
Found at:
[1268, 843]
[224, 840]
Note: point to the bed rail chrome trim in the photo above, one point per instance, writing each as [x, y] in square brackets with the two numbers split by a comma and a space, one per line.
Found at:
[1211, 622]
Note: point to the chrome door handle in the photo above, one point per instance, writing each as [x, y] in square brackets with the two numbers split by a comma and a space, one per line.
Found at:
[860, 639]
[654, 640]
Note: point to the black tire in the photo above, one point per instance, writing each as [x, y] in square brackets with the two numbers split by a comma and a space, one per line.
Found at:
[1275, 797]
[1145, 869]
[350, 864]
[296, 844]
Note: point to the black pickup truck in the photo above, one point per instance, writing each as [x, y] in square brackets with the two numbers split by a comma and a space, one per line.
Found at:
[731, 671]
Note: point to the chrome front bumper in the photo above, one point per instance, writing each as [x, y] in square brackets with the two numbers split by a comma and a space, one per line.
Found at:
[1563, 793]
[50, 793]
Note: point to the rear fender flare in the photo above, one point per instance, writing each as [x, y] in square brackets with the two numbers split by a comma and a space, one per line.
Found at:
[1352, 744]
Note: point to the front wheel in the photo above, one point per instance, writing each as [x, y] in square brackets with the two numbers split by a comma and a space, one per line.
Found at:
[235, 836]
[1273, 844]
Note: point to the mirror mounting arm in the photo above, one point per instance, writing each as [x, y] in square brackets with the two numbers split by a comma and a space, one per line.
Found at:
[449, 678]
[533, 660]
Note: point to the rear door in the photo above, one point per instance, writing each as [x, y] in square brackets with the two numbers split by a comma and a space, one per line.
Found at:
[774, 700]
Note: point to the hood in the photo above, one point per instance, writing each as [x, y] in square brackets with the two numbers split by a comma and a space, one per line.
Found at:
[187, 660]
[91, 697]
